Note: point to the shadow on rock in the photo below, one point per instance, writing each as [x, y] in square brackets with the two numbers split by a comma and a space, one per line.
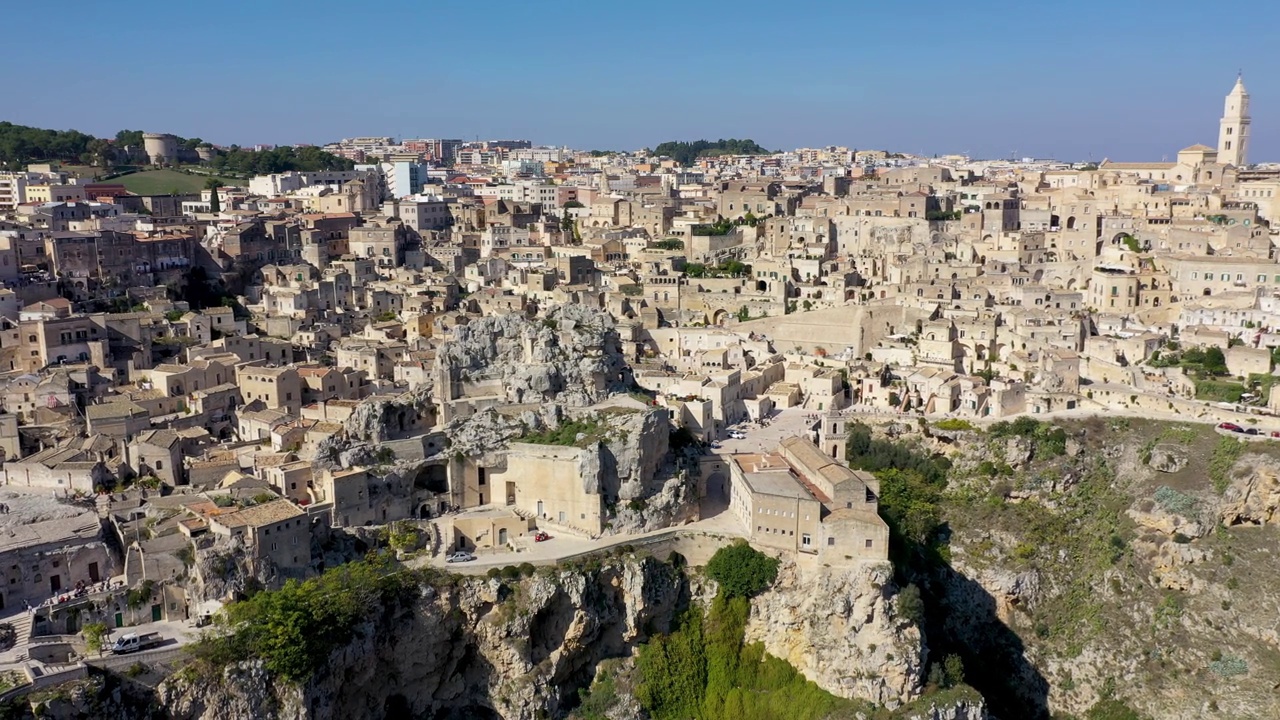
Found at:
[962, 619]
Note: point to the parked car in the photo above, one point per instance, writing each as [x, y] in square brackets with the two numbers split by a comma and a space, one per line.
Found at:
[1230, 426]
[1252, 431]
[541, 536]
[1275, 433]
[737, 435]
[460, 557]
[133, 642]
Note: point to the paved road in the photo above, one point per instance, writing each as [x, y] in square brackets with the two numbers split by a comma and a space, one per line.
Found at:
[784, 424]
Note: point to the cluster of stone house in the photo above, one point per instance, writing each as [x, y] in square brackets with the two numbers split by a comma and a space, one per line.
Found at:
[195, 367]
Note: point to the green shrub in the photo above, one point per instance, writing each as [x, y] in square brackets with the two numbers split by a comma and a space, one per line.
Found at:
[294, 629]
[566, 434]
[1229, 666]
[742, 571]
[954, 425]
[1224, 457]
[910, 605]
[596, 702]
[1176, 502]
[1111, 709]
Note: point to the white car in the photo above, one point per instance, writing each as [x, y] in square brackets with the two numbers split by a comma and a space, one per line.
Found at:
[738, 435]
[459, 557]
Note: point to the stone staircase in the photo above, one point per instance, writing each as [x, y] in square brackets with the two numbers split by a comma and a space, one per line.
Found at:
[22, 638]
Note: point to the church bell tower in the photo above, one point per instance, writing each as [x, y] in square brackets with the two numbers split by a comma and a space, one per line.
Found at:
[1233, 131]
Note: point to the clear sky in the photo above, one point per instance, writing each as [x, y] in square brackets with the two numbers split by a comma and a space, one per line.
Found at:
[1079, 80]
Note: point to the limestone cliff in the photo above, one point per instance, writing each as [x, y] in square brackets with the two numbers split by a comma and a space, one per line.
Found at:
[839, 627]
[1135, 564]
[520, 648]
[517, 650]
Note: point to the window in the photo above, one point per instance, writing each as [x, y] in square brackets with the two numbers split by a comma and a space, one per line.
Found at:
[869, 543]
[831, 542]
[159, 464]
[805, 540]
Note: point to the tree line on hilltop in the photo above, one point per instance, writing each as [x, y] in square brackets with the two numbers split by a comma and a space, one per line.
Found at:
[686, 152]
[21, 145]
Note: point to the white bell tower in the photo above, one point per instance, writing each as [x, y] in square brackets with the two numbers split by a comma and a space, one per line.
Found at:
[1233, 131]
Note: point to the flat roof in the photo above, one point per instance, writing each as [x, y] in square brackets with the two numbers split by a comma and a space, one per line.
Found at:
[769, 474]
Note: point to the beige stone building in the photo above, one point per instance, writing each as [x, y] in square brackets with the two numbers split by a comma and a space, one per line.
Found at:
[277, 532]
[800, 499]
[277, 388]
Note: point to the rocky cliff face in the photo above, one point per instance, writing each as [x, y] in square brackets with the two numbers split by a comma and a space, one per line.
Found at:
[573, 355]
[517, 650]
[521, 649]
[1253, 497]
[1117, 570]
[649, 486]
[839, 627]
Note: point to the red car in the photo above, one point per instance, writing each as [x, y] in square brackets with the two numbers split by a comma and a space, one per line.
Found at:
[1230, 426]
[541, 536]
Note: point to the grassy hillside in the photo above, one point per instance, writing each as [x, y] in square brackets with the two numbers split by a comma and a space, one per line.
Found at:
[166, 181]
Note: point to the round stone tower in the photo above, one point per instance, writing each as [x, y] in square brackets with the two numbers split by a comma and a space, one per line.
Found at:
[161, 148]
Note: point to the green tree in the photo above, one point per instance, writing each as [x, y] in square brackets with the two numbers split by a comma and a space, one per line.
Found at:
[742, 571]
[910, 605]
[129, 138]
[953, 670]
[1215, 362]
[215, 203]
[686, 152]
[94, 634]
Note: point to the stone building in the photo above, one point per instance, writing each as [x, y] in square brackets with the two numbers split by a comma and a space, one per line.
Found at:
[277, 532]
[800, 499]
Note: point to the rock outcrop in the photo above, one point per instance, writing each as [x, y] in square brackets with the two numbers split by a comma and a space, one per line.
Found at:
[839, 626]
[1253, 497]
[573, 355]
[1168, 458]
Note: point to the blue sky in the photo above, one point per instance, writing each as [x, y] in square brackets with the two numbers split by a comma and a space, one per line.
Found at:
[1125, 79]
